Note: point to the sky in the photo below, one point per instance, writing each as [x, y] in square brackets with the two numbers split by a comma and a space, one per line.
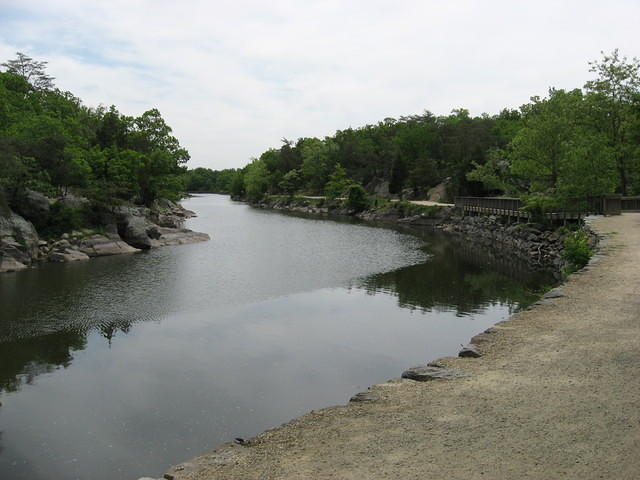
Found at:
[233, 78]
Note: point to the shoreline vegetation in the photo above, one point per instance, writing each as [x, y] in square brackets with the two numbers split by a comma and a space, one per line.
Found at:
[78, 182]
[554, 153]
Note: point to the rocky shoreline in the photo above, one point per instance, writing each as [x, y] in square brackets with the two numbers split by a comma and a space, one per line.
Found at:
[540, 248]
[126, 229]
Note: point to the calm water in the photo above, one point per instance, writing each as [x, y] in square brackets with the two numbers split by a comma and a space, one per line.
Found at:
[122, 366]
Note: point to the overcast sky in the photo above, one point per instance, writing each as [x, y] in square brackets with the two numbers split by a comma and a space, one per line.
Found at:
[234, 77]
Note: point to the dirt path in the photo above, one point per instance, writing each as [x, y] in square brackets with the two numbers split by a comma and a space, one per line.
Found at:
[555, 395]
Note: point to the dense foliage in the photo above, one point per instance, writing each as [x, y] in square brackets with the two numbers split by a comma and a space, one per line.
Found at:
[50, 142]
[563, 148]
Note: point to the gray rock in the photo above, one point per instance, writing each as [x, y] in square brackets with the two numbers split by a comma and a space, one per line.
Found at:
[10, 264]
[555, 293]
[133, 230]
[171, 221]
[99, 246]
[34, 206]
[67, 255]
[74, 201]
[469, 351]
[181, 236]
[18, 240]
[365, 397]
[425, 373]
[62, 244]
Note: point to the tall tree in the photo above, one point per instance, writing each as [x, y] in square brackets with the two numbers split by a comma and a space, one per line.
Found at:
[615, 99]
[31, 70]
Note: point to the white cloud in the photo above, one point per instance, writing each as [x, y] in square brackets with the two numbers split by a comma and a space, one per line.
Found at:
[232, 78]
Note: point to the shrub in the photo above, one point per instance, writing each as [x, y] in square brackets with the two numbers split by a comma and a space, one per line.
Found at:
[63, 219]
[357, 198]
[538, 207]
[577, 250]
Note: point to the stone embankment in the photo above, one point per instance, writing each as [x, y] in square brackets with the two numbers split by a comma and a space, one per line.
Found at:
[551, 393]
[127, 229]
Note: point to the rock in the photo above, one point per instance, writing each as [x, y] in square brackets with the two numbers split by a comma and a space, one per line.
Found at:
[480, 338]
[68, 255]
[62, 244]
[99, 246]
[10, 264]
[378, 187]
[171, 221]
[555, 293]
[439, 192]
[425, 373]
[73, 201]
[364, 397]
[33, 206]
[469, 351]
[18, 240]
[133, 230]
[181, 236]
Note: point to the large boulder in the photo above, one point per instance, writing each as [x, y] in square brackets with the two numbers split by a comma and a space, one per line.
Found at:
[67, 255]
[18, 242]
[100, 245]
[33, 206]
[133, 230]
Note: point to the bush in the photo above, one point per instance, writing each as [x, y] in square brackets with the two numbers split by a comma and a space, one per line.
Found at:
[538, 207]
[63, 219]
[577, 250]
[357, 198]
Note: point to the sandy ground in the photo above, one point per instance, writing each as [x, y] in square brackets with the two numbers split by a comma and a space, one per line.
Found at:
[429, 203]
[556, 394]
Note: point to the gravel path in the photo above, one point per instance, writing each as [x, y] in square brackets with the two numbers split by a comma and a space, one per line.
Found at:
[556, 394]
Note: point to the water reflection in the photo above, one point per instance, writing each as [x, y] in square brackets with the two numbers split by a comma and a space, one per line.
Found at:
[120, 366]
[458, 277]
[21, 361]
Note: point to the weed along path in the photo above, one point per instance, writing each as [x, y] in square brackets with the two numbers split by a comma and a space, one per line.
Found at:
[556, 394]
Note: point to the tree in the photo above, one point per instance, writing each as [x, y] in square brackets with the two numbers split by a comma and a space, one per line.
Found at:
[357, 198]
[558, 153]
[290, 182]
[256, 180]
[614, 96]
[338, 183]
[316, 162]
[31, 70]
[495, 173]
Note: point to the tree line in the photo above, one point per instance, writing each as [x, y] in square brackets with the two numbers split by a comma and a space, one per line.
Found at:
[50, 142]
[560, 149]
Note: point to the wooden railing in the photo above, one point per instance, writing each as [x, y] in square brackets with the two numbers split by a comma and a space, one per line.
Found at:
[512, 207]
[630, 204]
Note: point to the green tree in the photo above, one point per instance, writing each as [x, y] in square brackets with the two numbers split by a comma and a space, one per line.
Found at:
[614, 96]
[317, 158]
[557, 153]
[256, 180]
[357, 198]
[338, 183]
[290, 182]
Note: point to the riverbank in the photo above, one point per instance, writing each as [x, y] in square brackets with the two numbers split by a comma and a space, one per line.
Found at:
[538, 246]
[126, 229]
[553, 395]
